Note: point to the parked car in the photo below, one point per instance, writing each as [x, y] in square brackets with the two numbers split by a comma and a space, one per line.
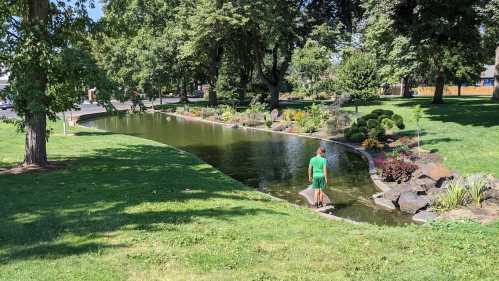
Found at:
[5, 104]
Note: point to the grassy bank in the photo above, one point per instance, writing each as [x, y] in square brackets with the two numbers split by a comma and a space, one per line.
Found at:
[465, 130]
[131, 209]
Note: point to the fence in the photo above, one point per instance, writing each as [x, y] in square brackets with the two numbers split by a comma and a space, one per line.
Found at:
[453, 90]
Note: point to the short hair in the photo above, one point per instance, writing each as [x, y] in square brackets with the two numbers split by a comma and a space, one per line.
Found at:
[322, 150]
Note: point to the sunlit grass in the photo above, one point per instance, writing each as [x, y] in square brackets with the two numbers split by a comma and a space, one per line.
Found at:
[125, 208]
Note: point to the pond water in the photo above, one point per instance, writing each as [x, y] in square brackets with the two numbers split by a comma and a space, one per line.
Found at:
[272, 162]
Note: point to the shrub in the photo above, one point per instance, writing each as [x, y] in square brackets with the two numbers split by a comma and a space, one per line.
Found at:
[372, 123]
[267, 120]
[362, 121]
[228, 113]
[399, 121]
[208, 112]
[377, 133]
[300, 117]
[399, 171]
[387, 123]
[476, 185]
[256, 107]
[288, 115]
[372, 144]
[455, 195]
[357, 136]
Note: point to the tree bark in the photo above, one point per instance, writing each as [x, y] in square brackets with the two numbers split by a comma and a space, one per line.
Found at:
[274, 96]
[35, 16]
[495, 95]
[212, 95]
[183, 93]
[439, 87]
[459, 89]
[406, 93]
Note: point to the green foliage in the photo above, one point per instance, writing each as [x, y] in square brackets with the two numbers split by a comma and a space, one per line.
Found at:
[289, 115]
[375, 125]
[455, 194]
[309, 66]
[267, 120]
[227, 113]
[357, 78]
[476, 184]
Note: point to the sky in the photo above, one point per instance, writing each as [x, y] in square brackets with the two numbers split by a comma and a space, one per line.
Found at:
[96, 13]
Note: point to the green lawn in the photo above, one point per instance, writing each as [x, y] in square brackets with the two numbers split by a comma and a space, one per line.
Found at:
[465, 131]
[131, 209]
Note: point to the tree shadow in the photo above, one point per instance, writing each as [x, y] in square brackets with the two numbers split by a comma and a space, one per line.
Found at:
[472, 111]
[106, 192]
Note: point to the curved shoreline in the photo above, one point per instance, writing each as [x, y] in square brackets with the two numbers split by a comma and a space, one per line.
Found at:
[381, 186]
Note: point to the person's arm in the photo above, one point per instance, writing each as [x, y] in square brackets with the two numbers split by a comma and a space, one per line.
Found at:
[309, 173]
[325, 172]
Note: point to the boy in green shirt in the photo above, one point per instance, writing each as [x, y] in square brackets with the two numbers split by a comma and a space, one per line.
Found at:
[317, 175]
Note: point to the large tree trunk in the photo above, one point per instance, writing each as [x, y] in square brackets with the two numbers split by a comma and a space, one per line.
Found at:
[35, 16]
[439, 87]
[36, 136]
[183, 94]
[274, 96]
[459, 86]
[495, 96]
[406, 92]
[212, 95]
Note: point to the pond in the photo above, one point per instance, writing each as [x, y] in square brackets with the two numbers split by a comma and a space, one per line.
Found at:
[274, 163]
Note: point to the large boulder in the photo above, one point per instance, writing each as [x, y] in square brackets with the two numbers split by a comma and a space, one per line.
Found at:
[278, 127]
[394, 193]
[424, 182]
[436, 172]
[434, 193]
[425, 216]
[411, 203]
[385, 203]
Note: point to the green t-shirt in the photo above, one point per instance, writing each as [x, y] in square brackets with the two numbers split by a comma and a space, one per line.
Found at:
[318, 163]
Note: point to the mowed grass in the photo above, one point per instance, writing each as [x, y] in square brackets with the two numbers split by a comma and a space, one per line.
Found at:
[125, 208]
[464, 130]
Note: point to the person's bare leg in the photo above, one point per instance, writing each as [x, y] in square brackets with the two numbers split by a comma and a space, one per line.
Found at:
[316, 197]
[321, 200]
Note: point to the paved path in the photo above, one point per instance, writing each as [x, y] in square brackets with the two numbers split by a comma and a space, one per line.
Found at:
[95, 108]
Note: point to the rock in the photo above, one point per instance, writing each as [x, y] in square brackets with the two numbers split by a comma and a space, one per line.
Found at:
[231, 126]
[394, 193]
[424, 182]
[418, 189]
[377, 195]
[274, 115]
[425, 216]
[326, 209]
[491, 193]
[385, 203]
[410, 202]
[308, 194]
[279, 127]
[434, 193]
[436, 172]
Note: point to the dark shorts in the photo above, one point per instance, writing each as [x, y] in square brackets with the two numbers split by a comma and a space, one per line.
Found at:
[319, 183]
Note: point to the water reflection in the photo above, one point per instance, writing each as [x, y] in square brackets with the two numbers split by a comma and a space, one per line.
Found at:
[274, 162]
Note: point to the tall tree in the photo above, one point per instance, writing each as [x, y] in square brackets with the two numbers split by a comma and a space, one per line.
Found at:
[42, 46]
[490, 16]
[434, 27]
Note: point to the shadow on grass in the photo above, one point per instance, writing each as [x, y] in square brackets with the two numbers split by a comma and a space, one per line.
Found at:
[106, 192]
[473, 111]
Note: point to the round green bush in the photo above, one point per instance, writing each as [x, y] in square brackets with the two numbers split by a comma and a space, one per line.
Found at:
[387, 123]
[362, 129]
[399, 121]
[357, 137]
[381, 117]
[388, 113]
[362, 122]
[377, 133]
[372, 123]
[378, 112]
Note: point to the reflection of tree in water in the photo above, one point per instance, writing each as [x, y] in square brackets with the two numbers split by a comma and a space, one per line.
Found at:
[260, 159]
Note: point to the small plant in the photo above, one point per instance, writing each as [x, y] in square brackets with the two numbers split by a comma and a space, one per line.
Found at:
[476, 185]
[208, 112]
[300, 117]
[288, 115]
[455, 196]
[395, 170]
[256, 107]
[267, 120]
[417, 114]
[228, 113]
[372, 144]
